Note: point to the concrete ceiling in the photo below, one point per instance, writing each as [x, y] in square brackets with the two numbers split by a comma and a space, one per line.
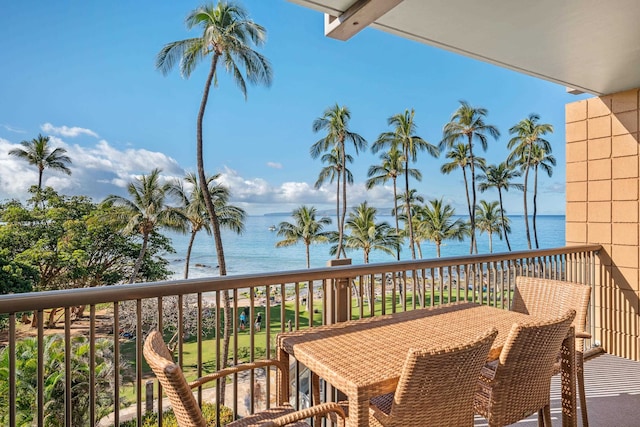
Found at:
[591, 46]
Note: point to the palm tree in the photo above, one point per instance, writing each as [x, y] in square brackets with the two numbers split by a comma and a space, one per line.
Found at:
[335, 121]
[38, 152]
[438, 224]
[499, 177]
[459, 158]
[146, 211]
[307, 228]
[403, 137]
[540, 158]
[490, 219]
[527, 133]
[368, 235]
[195, 211]
[467, 125]
[228, 35]
[333, 172]
[391, 167]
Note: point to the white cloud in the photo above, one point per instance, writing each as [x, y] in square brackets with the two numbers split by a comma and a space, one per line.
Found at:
[13, 129]
[69, 132]
[96, 171]
[274, 165]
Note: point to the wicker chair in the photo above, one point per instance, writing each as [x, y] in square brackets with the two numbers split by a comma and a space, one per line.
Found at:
[550, 298]
[436, 387]
[518, 383]
[185, 406]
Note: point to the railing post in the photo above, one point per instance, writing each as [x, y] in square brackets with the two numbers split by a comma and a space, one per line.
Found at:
[149, 396]
[337, 295]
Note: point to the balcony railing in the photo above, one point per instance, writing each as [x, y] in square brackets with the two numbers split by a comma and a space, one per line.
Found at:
[81, 376]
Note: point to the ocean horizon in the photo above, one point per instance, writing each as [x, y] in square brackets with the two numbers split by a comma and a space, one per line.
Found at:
[255, 250]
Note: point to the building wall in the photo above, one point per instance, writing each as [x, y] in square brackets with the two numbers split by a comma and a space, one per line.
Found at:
[603, 207]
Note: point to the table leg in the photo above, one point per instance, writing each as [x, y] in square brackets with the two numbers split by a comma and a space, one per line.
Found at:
[569, 405]
[358, 412]
[282, 394]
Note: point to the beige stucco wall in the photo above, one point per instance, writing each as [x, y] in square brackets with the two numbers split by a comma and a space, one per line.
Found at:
[603, 207]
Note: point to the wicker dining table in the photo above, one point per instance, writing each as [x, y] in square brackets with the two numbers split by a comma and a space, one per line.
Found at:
[363, 358]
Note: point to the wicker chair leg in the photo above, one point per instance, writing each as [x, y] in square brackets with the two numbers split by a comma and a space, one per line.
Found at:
[540, 418]
[547, 415]
[581, 391]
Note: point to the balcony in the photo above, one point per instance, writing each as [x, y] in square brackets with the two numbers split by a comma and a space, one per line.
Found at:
[75, 372]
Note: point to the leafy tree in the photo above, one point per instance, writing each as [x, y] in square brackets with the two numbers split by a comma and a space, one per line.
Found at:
[335, 122]
[500, 177]
[403, 138]
[366, 234]
[146, 211]
[228, 35]
[195, 211]
[391, 167]
[467, 125]
[54, 390]
[438, 225]
[333, 172]
[16, 277]
[527, 133]
[307, 228]
[38, 152]
[490, 219]
[540, 159]
[458, 155]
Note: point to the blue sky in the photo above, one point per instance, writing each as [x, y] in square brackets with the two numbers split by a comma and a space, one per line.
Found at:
[83, 73]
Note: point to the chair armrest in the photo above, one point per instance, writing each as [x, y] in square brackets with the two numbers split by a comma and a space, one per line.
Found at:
[235, 369]
[494, 354]
[313, 411]
[584, 335]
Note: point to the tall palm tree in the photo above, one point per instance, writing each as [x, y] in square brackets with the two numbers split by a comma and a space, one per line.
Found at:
[459, 158]
[195, 211]
[335, 122]
[527, 133]
[499, 177]
[467, 124]
[228, 35]
[438, 224]
[333, 172]
[38, 152]
[146, 211]
[403, 137]
[366, 234]
[391, 167]
[307, 228]
[540, 158]
[490, 219]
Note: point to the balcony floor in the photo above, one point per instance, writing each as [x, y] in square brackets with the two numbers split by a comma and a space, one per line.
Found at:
[613, 394]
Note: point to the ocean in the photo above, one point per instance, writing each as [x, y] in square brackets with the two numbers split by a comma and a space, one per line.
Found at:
[255, 252]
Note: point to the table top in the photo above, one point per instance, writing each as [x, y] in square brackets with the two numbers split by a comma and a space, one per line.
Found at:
[364, 357]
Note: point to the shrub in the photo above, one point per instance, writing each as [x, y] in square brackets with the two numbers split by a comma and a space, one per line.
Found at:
[150, 419]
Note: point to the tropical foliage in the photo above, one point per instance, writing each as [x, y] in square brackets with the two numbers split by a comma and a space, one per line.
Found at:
[306, 228]
[38, 152]
[491, 220]
[437, 224]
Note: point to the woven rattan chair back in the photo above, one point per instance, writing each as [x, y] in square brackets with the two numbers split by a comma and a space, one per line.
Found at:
[519, 383]
[174, 384]
[436, 386]
[551, 298]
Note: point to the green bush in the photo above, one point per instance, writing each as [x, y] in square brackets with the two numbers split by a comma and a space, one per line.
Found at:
[209, 410]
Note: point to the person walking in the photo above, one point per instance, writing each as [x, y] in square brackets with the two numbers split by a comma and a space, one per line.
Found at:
[243, 320]
[258, 323]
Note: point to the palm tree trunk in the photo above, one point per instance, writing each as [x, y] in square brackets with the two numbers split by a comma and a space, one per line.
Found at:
[138, 264]
[40, 171]
[438, 249]
[473, 199]
[419, 249]
[526, 216]
[466, 189]
[344, 198]
[221, 359]
[307, 253]
[535, 204]
[504, 226]
[186, 264]
[395, 210]
[490, 242]
[338, 215]
[408, 205]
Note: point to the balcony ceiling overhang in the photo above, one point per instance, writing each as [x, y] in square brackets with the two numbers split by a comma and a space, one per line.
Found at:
[591, 46]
